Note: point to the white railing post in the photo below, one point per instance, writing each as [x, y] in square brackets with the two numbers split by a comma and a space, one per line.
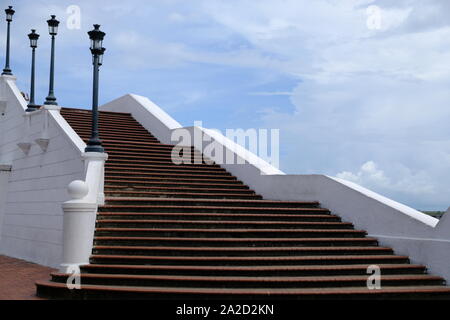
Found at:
[80, 212]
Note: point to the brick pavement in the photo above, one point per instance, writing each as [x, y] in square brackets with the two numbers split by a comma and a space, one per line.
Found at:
[17, 278]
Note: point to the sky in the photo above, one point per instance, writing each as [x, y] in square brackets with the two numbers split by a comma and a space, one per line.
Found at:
[359, 89]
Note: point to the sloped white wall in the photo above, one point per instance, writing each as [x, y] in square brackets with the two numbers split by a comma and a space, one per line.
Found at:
[31, 228]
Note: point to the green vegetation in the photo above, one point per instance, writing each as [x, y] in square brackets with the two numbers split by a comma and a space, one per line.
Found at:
[436, 214]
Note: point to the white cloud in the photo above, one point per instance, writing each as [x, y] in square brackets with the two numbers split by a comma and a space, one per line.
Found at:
[176, 17]
[271, 93]
[370, 175]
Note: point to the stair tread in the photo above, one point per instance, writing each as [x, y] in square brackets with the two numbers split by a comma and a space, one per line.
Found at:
[255, 268]
[252, 279]
[111, 177]
[252, 258]
[87, 111]
[222, 222]
[213, 230]
[179, 193]
[219, 200]
[260, 292]
[200, 214]
[255, 249]
[211, 207]
[365, 239]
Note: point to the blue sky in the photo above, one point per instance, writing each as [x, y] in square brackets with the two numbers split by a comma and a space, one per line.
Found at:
[371, 106]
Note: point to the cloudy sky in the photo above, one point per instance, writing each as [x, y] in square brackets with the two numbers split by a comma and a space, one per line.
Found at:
[359, 93]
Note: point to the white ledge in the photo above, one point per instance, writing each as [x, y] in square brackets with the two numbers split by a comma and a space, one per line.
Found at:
[413, 213]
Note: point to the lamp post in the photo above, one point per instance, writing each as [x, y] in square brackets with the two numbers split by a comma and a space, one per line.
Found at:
[53, 31]
[94, 144]
[9, 15]
[33, 36]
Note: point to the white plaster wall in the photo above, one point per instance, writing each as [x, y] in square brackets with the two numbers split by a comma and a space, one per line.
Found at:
[33, 217]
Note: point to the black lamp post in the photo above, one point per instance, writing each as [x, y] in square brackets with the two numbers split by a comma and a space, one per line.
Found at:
[33, 36]
[53, 31]
[9, 15]
[94, 144]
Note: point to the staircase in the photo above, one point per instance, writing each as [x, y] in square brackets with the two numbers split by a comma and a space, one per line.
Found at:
[194, 231]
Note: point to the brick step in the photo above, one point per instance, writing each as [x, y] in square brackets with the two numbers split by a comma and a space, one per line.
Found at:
[205, 209]
[130, 178]
[155, 157]
[118, 187]
[139, 162]
[176, 183]
[106, 125]
[242, 271]
[228, 233]
[274, 204]
[102, 117]
[150, 149]
[86, 135]
[219, 216]
[248, 282]
[227, 242]
[107, 121]
[167, 169]
[60, 291]
[118, 131]
[248, 260]
[238, 251]
[201, 224]
[136, 144]
[82, 123]
[151, 155]
[149, 146]
[77, 122]
[237, 192]
[175, 167]
[116, 116]
[86, 112]
[167, 194]
[130, 174]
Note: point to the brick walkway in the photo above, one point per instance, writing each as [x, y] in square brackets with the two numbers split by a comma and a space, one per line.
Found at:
[17, 278]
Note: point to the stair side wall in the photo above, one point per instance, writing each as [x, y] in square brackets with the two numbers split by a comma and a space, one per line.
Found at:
[32, 224]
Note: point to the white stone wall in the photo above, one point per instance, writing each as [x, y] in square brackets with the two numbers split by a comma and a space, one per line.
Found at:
[31, 227]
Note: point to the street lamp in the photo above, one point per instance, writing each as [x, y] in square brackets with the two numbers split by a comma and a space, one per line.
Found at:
[9, 14]
[53, 31]
[94, 144]
[33, 36]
